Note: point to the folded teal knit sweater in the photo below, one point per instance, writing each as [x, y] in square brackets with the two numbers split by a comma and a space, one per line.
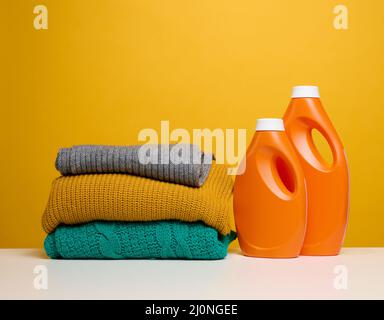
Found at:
[141, 240]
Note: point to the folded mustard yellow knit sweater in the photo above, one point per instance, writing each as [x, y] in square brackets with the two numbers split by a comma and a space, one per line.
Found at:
[122, 197]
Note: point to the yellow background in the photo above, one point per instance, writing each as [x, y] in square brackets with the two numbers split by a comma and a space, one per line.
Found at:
[106, 69]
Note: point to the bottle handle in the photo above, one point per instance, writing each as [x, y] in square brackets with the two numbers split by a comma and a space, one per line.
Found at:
[327, 130]
[281, 174]
[287, 172]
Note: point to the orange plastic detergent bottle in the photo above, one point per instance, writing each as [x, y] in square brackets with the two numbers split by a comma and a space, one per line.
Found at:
[270, 195]
[327, 184]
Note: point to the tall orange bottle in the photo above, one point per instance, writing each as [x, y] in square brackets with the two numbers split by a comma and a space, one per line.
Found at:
[270, 196]
[327, 184]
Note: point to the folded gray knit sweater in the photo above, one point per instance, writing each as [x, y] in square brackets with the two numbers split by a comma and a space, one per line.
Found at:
[179, 163]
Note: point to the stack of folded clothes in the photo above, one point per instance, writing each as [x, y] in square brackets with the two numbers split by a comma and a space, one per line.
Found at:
[151, 201]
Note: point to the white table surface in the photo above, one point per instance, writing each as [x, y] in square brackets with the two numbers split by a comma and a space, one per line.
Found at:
[236, 277]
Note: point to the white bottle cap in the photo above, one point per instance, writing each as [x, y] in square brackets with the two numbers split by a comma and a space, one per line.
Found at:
[270, 124]
[305, 92]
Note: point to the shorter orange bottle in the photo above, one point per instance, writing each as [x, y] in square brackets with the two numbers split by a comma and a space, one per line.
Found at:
[270, 195]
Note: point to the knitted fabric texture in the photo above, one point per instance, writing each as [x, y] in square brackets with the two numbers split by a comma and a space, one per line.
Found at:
[145, 240]
[178, 163]
[122, 197]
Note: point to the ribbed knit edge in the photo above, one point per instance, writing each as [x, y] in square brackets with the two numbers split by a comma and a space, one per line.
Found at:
[205, 168]
[88, 159]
